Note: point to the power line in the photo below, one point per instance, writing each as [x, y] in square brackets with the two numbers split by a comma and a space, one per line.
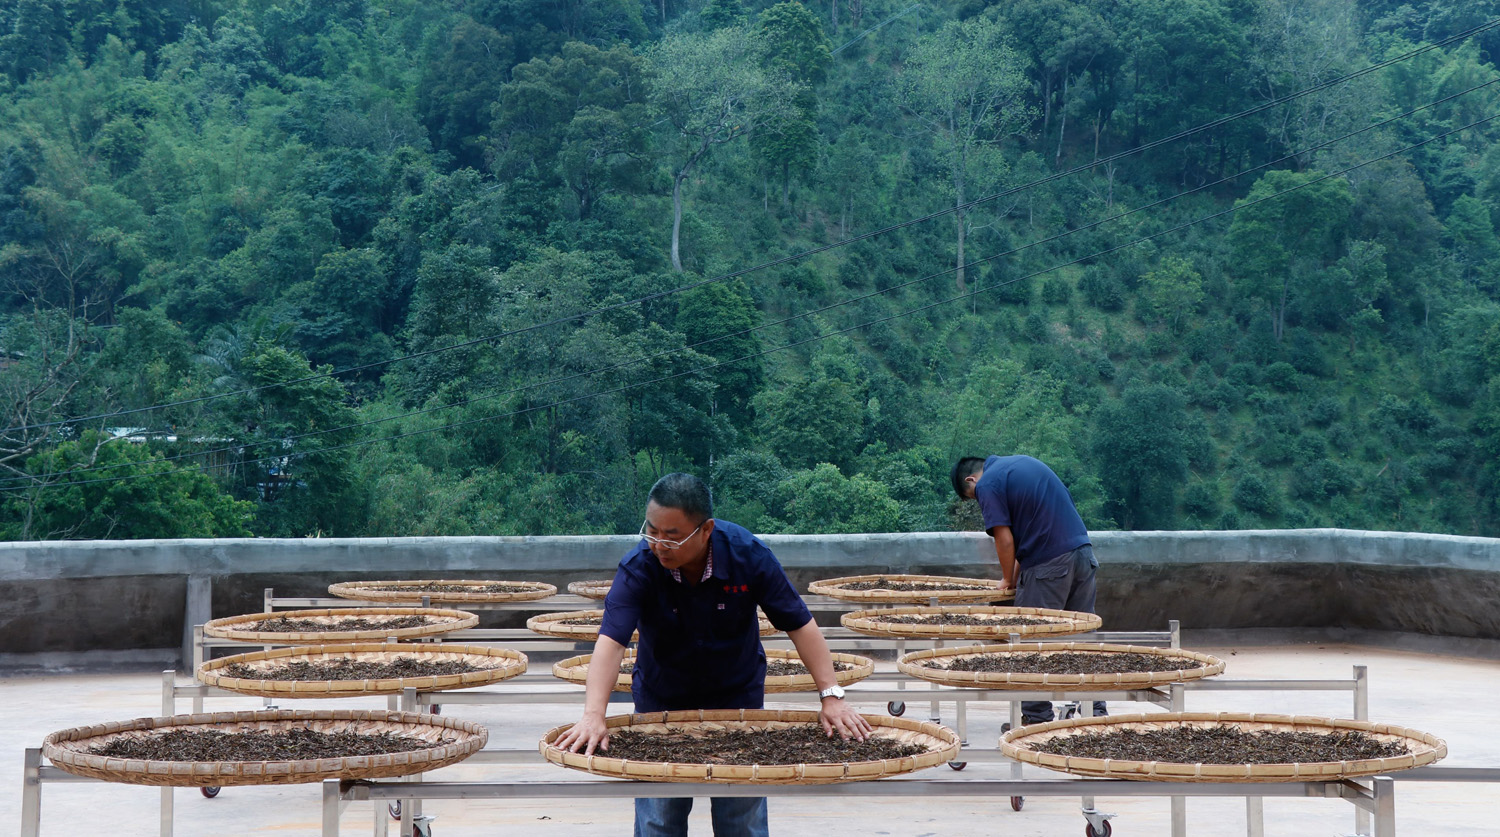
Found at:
[491, 393]
[903, 13]
[752, 356]
[793, 257]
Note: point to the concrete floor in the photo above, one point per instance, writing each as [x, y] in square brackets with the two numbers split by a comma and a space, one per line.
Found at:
[1447, 696]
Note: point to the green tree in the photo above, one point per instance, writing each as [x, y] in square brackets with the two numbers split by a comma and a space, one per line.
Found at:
[825, 502]
[1172, 292]
[127, 493]
[1280, 245]
[711, 91]
[719, 312]
[580, 117]
[966, 86]
[792, 45]
[1141, 441]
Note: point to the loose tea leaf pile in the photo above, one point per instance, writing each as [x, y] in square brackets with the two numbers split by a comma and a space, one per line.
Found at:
[259, 745]
[889, 584]
[457, 588]
[801, 744]
[348, 668]
[962, 619]
[1222, 745]
[1064, 663]
[774, 668]
[788, 668]
[283, 625]
[596, 621]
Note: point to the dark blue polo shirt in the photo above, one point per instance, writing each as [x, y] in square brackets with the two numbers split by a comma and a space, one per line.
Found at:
[1024, 494]
[700, 644]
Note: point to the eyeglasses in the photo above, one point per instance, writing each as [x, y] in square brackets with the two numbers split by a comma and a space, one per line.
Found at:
[663, 542]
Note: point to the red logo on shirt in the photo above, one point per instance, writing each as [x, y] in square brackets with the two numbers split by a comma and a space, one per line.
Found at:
[736, 588]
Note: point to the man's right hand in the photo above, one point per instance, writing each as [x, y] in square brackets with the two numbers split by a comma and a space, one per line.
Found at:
[588, 734]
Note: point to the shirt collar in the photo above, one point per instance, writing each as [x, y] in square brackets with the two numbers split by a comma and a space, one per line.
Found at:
[708, 566]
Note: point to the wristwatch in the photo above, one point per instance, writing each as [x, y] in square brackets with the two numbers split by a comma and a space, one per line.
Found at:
[832, 691]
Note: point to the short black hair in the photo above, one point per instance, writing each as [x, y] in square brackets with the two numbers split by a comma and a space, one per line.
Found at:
[683, 492]
[962, 470]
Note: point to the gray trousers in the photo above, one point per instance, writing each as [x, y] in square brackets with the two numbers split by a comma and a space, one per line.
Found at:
[1062, 583]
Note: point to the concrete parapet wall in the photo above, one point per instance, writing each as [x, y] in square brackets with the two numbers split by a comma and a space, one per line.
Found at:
[77, 596]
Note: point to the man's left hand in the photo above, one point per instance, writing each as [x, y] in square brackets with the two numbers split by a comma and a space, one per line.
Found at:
[838, 715]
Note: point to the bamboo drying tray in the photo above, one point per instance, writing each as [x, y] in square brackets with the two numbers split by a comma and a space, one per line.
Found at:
[68, 749]
[246, 628]
[500, 664]
[370, 591]
[551, 624]
[835, 588]
[1193, 666]
[576, 670]
[942, 744]
[596, 589]
[872, 622]
[1018, 744]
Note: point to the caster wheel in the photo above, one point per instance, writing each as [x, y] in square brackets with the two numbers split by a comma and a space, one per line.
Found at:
[896, 707]
[958, 765]
[421, 829]
[1090, 831]
[1004, 728]
[394, 809]
[209, 792]
[437, 709]
[1017, 803]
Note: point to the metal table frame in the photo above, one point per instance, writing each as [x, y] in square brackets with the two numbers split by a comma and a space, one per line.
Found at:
[1373, 798]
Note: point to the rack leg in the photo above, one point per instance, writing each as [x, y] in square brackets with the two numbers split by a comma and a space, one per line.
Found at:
[1384, 788]
[31, 793]
[1255, 816]
[935, 713]
[1179, 704]
[331, 808]
[168, 686]
[1361, 713]
[166, 812]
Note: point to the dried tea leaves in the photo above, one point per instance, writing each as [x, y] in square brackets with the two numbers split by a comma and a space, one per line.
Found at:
[437, 587]
[1065, 662]
[594, 621]
[962, 619]
[283, 625]
[801, 744]
[774, 668]
[792, 668]
[258, 745]
[909, 586]
[347, 668]
[1226, 744]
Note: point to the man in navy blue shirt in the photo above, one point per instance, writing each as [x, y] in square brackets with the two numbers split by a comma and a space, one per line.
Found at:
[1040, 539]
[691, 587]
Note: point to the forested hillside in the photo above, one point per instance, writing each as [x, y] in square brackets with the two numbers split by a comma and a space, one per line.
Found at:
[384, 267]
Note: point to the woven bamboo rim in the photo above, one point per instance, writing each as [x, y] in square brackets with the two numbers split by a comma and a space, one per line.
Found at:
[834, 588]
[942, 744]
[596, 589]
[576, 670]
[500, 664]
[872, 622]
[1018, 744]
[1194, 666]
[244, 628]
[68, 749]
[370, 591]
[551, 624]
